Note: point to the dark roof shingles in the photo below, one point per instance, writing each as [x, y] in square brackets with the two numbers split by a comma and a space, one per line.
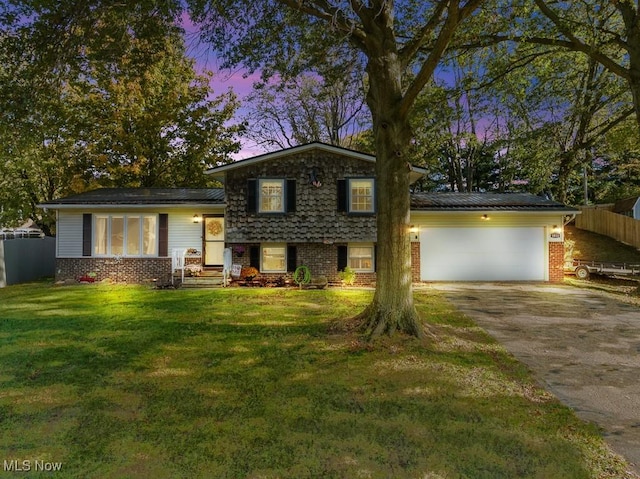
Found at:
[481, 201]
[138, 196]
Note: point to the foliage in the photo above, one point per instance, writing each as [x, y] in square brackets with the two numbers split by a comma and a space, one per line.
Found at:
[117, 381]
[114, 101]
[347, 276]
[525, 118]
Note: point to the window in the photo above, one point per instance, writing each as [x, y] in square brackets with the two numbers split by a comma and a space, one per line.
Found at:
[361, 257]
[125, 235]
[271, 196]
[274, 258]
[361, 198]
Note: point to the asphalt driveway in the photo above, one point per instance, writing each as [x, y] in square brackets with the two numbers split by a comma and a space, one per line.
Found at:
[582, 346]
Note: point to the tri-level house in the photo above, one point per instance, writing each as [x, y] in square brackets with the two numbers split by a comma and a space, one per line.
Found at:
[312, 205]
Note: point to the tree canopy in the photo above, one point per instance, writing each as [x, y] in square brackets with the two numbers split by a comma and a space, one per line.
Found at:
[101, 94]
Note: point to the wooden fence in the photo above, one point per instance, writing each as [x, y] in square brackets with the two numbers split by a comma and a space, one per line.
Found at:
[600, 220]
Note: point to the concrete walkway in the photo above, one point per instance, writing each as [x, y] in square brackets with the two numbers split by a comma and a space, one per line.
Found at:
[582, 346]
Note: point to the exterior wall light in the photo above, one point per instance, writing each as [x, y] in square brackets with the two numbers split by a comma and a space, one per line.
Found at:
[485, 217]
[197, 218]
[413, 233]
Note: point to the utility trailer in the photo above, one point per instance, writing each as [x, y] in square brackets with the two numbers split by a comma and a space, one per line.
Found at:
[584, 268]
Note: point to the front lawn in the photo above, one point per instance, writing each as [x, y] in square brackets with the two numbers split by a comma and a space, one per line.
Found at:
[114, 381]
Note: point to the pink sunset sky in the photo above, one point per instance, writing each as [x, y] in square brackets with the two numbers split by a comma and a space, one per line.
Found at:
[238, 81]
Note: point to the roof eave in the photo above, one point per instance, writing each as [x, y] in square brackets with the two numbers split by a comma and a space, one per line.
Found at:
[498, 210]
[112, 206]
[218, 172]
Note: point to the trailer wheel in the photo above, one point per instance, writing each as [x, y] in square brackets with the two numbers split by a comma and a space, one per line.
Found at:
[582, 272]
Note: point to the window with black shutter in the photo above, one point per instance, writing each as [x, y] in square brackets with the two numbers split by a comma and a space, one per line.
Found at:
[252, 196]
[342, 257]
[291, 196]
[86, 234]
[292, 258]
[254, 257]
[342, 195]
[163, 236]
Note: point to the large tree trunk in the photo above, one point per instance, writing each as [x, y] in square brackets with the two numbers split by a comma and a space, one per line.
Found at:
[392, 308]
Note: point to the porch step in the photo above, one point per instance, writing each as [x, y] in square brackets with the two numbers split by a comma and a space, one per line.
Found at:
[207, 279]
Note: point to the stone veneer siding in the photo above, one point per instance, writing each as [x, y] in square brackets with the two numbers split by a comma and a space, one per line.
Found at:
[121, 270]
[556, 262]
[316, 218]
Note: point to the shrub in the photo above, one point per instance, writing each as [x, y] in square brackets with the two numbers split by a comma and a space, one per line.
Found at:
[347, 276]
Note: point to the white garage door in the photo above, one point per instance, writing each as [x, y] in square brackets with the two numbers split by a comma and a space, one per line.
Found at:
[482, 254]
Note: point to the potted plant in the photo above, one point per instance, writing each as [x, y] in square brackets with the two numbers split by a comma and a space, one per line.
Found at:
[248, 273]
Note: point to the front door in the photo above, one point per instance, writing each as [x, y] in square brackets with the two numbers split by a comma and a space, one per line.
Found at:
[213, 240]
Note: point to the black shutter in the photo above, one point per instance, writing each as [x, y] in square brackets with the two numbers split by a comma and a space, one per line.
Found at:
[252, 196]
[163, 240]
[86, 234]
[375, 258]
[342, 258]
[292, 258]
[342, 195]
[291, 196]
[254, 257]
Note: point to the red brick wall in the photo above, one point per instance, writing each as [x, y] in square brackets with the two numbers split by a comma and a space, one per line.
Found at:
[321, 259]
[122, 270]
[556, 262]
[415, 262]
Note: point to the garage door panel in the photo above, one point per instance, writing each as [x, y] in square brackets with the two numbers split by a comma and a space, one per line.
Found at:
[482, 254]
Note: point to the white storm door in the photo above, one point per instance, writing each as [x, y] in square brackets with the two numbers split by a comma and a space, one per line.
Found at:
[213, 240]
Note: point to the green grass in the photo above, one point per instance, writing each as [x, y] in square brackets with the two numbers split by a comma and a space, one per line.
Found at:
[593, 246]
[116, 381]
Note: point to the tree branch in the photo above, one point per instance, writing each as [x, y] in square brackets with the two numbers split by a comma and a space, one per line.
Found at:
[578, 45]
[428, 67]
[330, 14]
[412, 47]
[455, 15]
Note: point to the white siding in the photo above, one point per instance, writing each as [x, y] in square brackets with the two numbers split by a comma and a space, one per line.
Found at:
[495, 219]
[636, 210]
[69, 234]
[183, 232]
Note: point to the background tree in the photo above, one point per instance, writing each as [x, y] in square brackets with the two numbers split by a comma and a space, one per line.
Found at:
[305, 109]
[520, 116]
[101, 94]
[159, 126]
[606, 31]
[558, 106]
